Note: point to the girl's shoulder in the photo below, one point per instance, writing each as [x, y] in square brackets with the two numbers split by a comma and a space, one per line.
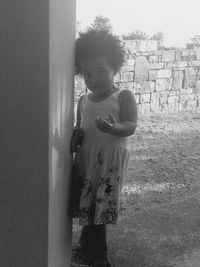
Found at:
[125, 94]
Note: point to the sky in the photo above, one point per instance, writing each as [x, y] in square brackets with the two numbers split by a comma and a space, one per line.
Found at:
[179, 20]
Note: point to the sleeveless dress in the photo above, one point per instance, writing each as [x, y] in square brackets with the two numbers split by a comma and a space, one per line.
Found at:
[102, 161]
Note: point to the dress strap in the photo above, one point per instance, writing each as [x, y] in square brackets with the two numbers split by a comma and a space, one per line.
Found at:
[117, 93]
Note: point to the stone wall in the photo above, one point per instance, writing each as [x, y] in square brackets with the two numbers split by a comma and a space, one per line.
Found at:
[162, 81]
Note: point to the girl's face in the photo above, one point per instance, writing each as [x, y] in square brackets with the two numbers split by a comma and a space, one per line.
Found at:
[98, 74]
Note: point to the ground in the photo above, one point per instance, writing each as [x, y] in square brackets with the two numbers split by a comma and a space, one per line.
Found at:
[159, 220]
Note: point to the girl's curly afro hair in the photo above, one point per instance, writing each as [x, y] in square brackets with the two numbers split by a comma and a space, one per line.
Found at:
[99, 43]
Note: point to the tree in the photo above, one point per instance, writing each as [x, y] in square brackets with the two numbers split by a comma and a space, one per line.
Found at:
[196, 40]
[139, 35]
[101, 23]
[159, 36]
[136, 35]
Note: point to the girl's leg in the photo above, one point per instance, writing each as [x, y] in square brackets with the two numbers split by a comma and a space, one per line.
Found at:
[100, 246]
[93, 242]
[86, 237]
[100, 238]
[83, 253]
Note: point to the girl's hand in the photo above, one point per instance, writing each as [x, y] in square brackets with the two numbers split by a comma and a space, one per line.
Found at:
[77, 139]
[105, 125]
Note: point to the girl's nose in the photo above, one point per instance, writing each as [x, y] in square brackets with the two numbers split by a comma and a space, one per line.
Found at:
[94, 77]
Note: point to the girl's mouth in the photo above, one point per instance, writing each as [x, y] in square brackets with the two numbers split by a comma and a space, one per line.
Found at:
[95, 86]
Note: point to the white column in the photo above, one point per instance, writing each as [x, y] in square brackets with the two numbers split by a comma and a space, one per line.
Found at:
[62, 37]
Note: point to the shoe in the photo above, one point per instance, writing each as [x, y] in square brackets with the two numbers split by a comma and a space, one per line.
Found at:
[99, 264]
[81, 255]
[102, 262]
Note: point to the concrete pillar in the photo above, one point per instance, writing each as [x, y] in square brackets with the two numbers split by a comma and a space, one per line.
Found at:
[36, 114]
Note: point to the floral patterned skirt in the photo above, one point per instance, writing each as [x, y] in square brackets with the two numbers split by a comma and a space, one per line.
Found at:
[103, 170]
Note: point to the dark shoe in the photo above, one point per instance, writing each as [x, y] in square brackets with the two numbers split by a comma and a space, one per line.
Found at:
[99, 264]
[102, 262]
[81, 255]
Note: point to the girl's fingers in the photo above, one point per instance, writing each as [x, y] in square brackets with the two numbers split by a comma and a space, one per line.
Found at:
[111, 118]
[106, 124]
[101, 124]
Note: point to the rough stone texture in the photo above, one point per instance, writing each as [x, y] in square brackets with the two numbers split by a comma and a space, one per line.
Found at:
[148, 86]
[149, 45]
[144, 108]
[134, 46]
[196, 91]
[166, 73]
[152, 75]
[128, 68]
[153, 58]
[155, 106]
[156, 53]
[173, 106]
[155, 97]
[198, 85]
[176, 64]
[163, 100]
[168, 55]
[198, 72]
[163, 84]
[137, 88]
[156, 65]
[173, 98]
[185, 91]
[197, 54]
[188, 54]
[186, 100]
[127, 76]
[190, 81]
[146, 98]
[130, 62]
[141, 69]
[193, 63]
[191, 71]
[177, 82]
[178, 55]
[130, 46]
[128, 86]
[137, 98]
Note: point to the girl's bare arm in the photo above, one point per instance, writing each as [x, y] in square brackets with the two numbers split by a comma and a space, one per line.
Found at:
[128, 115]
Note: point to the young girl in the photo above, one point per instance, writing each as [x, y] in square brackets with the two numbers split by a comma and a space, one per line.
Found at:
[108, 117]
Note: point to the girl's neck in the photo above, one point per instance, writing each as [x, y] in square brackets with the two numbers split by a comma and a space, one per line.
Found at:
[100, 97]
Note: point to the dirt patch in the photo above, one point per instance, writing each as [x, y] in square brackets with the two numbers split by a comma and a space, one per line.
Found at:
[165, 160]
